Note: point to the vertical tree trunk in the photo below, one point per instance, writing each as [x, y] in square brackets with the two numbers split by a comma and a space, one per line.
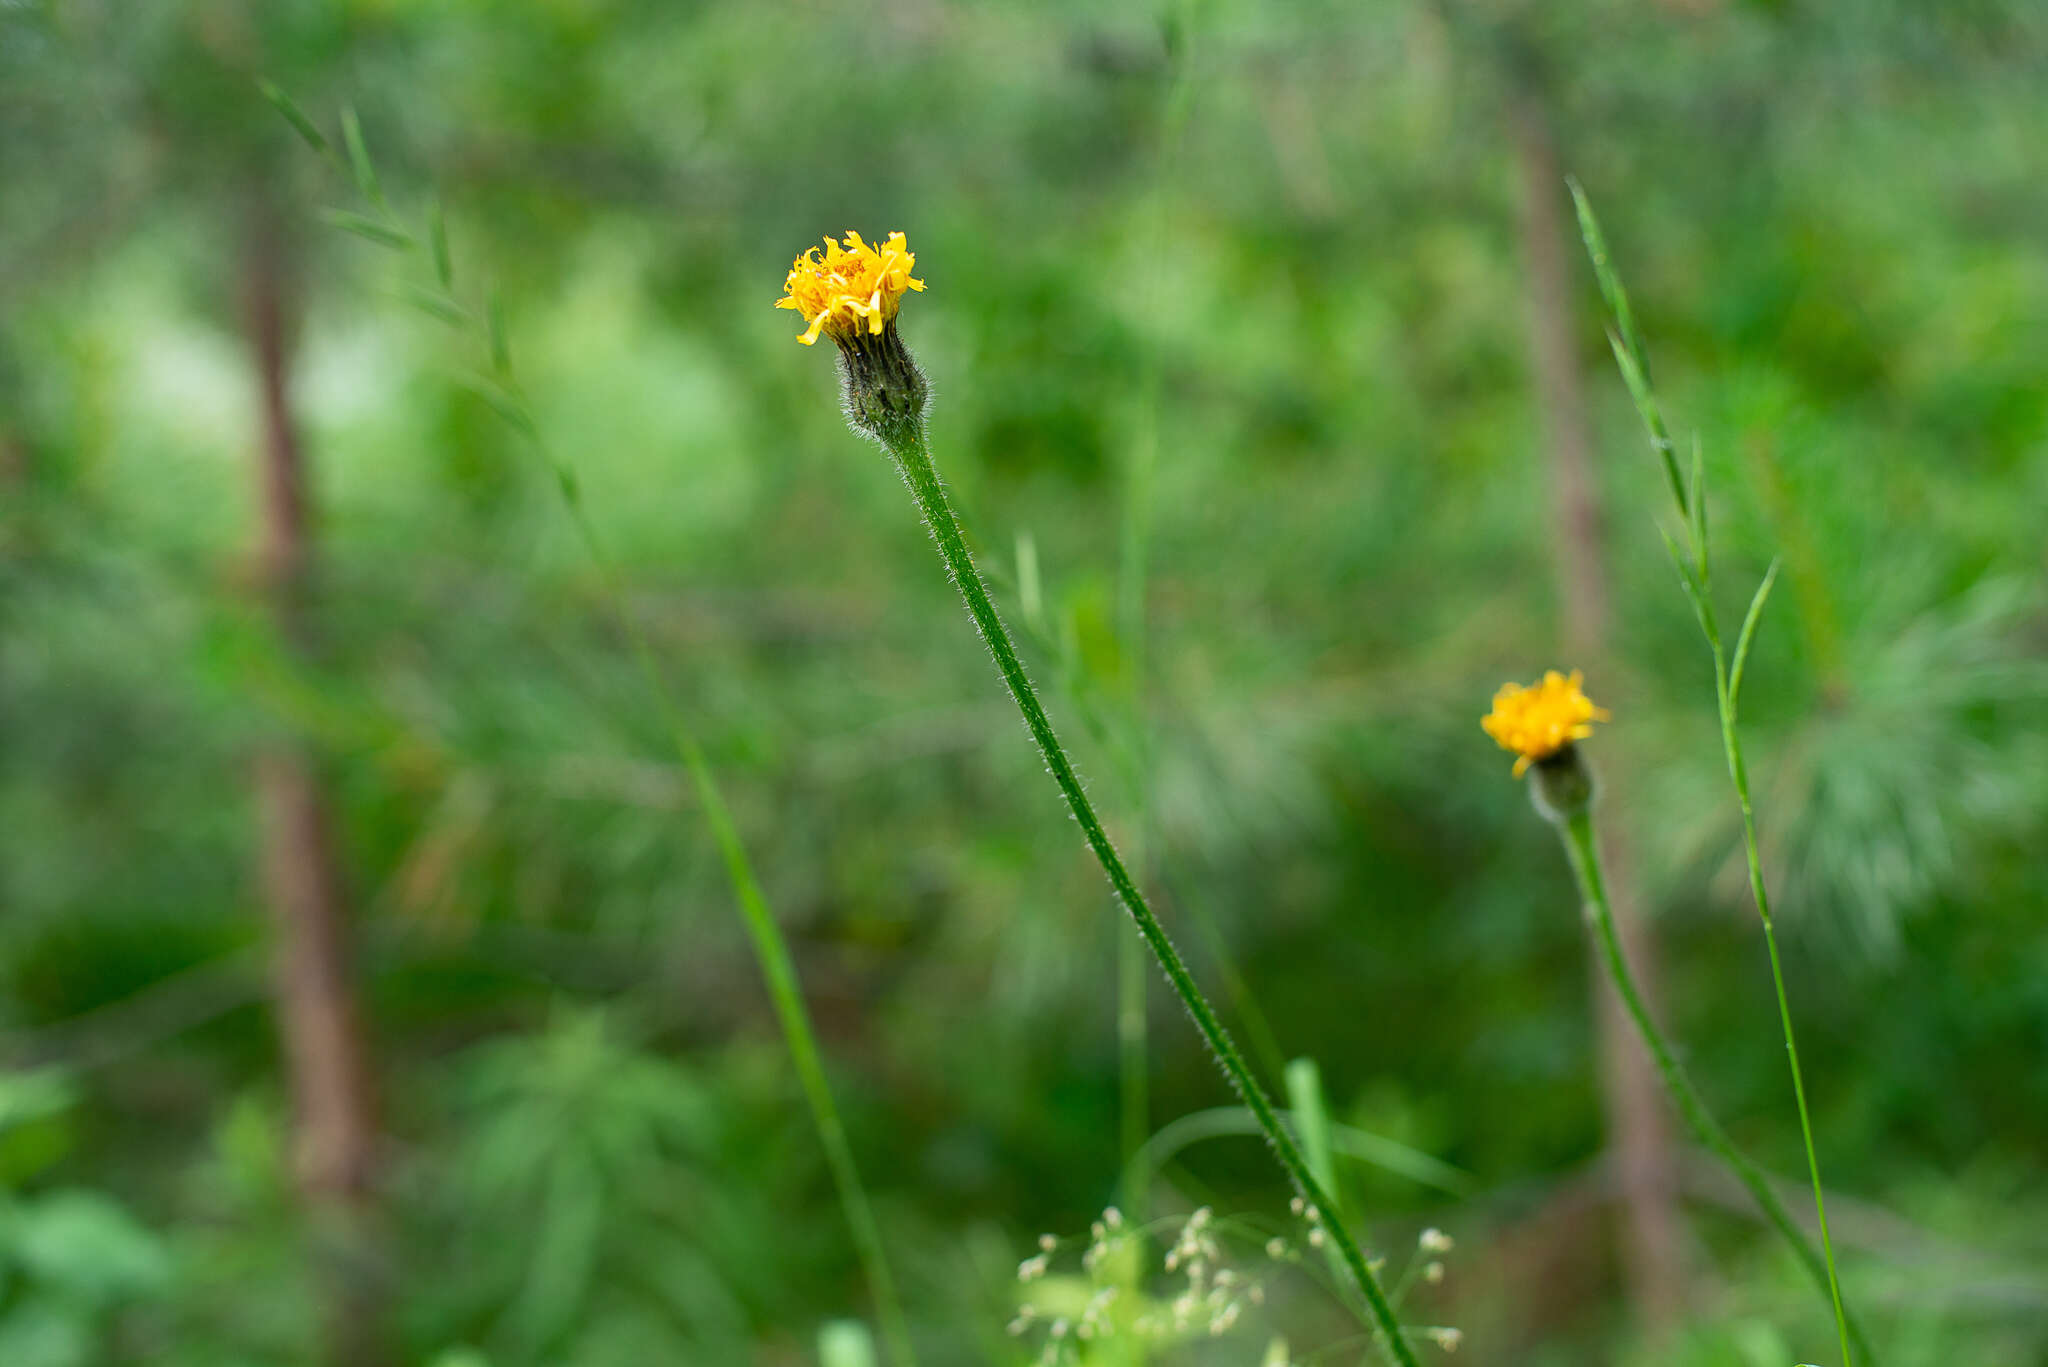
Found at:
[1638, 1124]
[318, 1021]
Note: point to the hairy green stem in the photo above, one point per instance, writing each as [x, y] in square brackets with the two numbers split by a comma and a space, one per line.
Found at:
[913, 458]
[1577, 831]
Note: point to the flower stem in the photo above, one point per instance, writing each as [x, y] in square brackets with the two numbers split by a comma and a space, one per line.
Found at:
[1577, 831]
[913, 458]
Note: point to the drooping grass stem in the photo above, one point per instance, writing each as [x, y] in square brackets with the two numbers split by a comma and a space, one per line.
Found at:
[771, 951]
[913, 458]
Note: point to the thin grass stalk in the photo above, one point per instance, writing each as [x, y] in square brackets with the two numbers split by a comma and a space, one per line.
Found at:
[771, 952]
[1581, 848]
[913, 458]
[1738, 774]
[1632, 358]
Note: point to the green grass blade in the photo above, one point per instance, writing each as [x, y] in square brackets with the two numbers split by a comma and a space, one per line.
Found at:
[296, 117]
[1748, 633]
[367, 228]
[435, 305]
[503, 403]
[359, 156]
[1638, 382]
[1312, 1122]
[1698, 510]
[1362, 1146]
[1610, 280]
[494, 322]
[437, 236]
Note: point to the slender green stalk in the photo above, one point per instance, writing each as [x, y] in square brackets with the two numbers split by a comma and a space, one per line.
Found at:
[771, 951]
[1579, 845]
[1727, 683]
[913, 458]
[1632, 358]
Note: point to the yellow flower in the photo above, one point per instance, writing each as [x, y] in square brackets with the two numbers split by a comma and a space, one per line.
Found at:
[849, 286]
[1538, 721]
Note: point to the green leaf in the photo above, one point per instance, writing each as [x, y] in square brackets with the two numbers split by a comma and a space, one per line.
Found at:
[1610, 280]
[363, 226]
[296, 117]
[437, 235]
[505, 405]
[1645, 398]
[439, 305]
[1698, 510]
[86, 1245]
[1693, 589]
[1312, 1122]
[1742, 640]
[494, 320]
[359, 156]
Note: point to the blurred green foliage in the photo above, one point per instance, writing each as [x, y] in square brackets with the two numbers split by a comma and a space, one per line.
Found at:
[1834, 223]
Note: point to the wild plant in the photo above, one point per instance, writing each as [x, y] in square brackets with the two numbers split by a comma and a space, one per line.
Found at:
[852, 291]
[1543, 723]
[1137, 1288]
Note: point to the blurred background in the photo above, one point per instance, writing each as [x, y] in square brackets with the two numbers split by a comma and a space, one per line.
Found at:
[370, 989]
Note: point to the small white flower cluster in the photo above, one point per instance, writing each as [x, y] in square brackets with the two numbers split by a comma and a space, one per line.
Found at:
[1433, 1242]
[1430, 1248]
[1103, 1237]
[1094, 1319]
[1196, 1244]
[1212, 1300]
[1316, 1237]
[1215, 1295]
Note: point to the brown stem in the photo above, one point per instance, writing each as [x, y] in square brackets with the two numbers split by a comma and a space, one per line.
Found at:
[1638, 1124]
[321, 1031]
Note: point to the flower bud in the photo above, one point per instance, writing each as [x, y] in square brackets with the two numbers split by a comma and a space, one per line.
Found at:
[1561, 785]
[884, 390]
[851, 292]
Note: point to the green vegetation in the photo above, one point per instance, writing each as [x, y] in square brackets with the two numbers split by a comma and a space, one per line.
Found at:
[381, 967]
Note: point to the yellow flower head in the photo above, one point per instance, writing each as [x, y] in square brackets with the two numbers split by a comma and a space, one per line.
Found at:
[849, 286]
[1538, 721]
